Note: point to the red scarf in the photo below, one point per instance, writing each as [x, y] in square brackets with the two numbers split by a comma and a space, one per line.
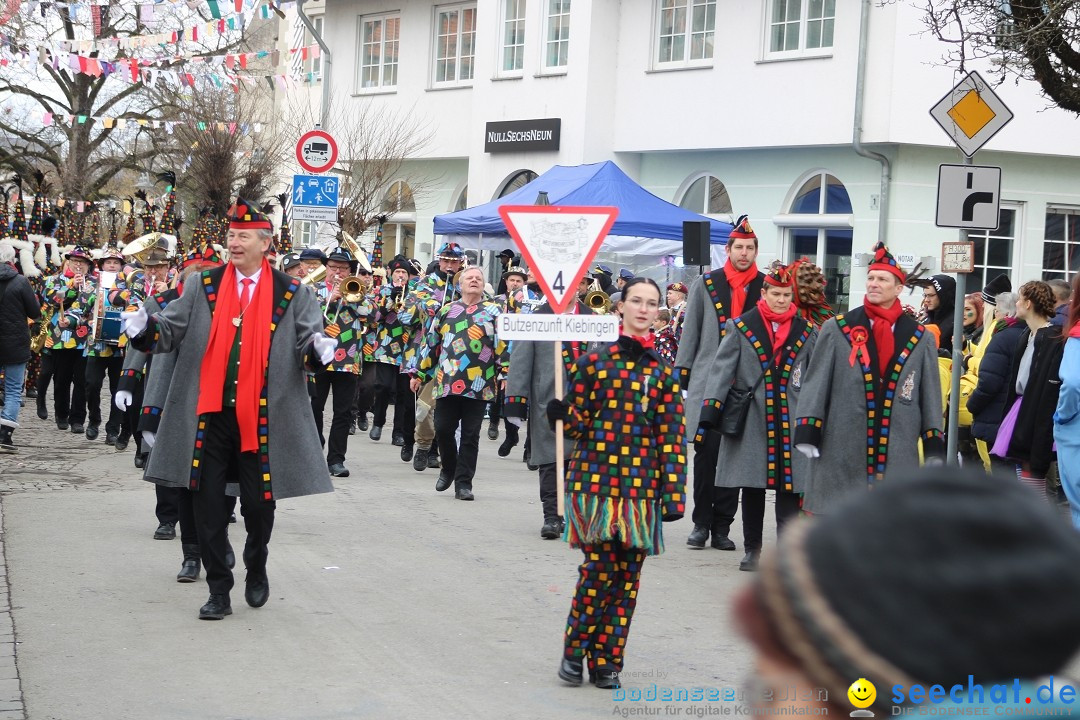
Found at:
[1075, 330]
[778, 337]
[254, 353]
[884, 319]
[738, 280]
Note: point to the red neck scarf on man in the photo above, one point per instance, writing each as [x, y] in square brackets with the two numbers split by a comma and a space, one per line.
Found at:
[254, 352]
[779, 336]
[883, 320]
[738, 280]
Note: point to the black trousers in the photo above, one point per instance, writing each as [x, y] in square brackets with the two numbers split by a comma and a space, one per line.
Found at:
[364, 400]
[44, 376]
[389, 381]
[220, 452]
[344, 386]
[96, 370]
[714, 507]
[176, 505]
[753, 514]
[549, 491]
[69, 385]
[451, 411]
[130, 426]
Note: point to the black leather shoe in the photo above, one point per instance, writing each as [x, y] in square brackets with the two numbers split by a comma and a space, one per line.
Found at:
[62, 425]
[140, 461]
[376, 432]
[493, 431]
[463, 493]
[189, 571]
[433, 458]
[507, 445]
[443, 482]
[257, 591]
[121, 443]
[165, 531]
[352, 429]
[398, 440]
[722, 542]
[216, 608]
[607, 679]
[550, 531]
[79, 430]
[339, 470]
[750, 560]
[42, 412]
[698, 536]
[110, 438]
[91, 432]
[361, 424]
[419, 459]
[570, 671]
[406, 453]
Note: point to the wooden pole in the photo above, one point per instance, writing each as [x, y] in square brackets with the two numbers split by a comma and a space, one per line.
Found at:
[559, 470]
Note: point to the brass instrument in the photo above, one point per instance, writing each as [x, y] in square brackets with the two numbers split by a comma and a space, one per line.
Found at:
[314, 278]
[354, 249]
[598, 301]
[351, 289]
[153, 244]
[37, 343]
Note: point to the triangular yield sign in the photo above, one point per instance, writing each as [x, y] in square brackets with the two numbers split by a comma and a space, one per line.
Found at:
[558, 242]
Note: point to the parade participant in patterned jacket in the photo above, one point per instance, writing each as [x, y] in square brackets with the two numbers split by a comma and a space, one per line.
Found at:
[392, 338]
[717, 295]
[434, 291]
[873, 391]
[467, 362]
[245, 334]
[627, 473]
[667, 338]
[530, 386]
[67, 339]
[345, 317]
[105, 356]
[767, 348]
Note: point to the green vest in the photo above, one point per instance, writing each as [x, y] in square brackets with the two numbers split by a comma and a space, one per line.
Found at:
[232, 372]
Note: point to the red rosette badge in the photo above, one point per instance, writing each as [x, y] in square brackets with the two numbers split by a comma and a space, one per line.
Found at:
[859, 336]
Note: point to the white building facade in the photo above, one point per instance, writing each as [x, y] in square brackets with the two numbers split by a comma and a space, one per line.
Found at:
[722, 107]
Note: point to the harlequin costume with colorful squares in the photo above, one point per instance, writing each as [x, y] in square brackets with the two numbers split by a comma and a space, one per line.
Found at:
[626, 474]
[462, 354]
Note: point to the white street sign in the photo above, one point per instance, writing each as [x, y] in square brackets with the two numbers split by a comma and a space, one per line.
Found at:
[558, 243]
[971, 113]
[554, 328]
[969, 196]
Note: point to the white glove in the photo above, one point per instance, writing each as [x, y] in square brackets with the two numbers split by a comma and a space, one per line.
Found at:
[148, 439]
[515, 421]
[810, 451]
[133, 322]
[324, 348]
[122, 399]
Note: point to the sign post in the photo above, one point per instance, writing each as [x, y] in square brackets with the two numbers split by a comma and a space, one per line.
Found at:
[968, 198]
[558, 243]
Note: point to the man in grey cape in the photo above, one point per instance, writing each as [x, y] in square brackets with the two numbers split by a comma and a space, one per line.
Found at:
[872, 393]
[246, 334]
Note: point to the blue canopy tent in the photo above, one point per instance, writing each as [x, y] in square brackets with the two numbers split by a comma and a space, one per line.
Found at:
[647, 226]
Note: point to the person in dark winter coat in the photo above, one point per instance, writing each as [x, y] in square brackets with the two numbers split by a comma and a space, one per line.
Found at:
[987, 401]
[17, 305]
[940, 301]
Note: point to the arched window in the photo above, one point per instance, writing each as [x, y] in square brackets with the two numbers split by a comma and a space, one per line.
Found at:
[708, 196]
[516, 181]
[818, 224]
[399, 232]
[462, 200]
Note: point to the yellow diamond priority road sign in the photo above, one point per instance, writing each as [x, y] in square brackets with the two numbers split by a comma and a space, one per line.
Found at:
[971, 113]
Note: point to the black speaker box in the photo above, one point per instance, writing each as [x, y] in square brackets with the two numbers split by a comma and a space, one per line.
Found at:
[695, 242]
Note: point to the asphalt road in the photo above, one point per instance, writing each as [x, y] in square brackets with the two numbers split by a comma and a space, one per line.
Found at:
[387, 600]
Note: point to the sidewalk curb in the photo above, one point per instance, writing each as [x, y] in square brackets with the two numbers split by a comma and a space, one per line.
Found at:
[12, 705]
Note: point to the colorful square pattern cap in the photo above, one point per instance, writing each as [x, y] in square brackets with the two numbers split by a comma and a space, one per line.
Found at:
[245, 215]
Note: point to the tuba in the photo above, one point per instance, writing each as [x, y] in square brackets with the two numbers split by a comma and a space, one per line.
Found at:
[598, 301]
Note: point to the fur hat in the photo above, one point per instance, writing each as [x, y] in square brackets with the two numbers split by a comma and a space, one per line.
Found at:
[25, 251]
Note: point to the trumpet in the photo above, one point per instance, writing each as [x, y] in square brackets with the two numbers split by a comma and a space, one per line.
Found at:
[598, 301]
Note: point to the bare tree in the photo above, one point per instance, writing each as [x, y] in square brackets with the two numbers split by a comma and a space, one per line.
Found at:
[1035, 40]
[374, 149]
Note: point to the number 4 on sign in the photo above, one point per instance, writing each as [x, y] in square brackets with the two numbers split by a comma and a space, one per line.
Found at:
[558, 243]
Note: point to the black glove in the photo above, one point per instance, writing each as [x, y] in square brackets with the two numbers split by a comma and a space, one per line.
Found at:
[671, 517]
[699, 436]
[557, 410]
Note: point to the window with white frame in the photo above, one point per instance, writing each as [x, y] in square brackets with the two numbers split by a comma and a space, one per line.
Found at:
[818, 225]
[303, 232]
[1061, 243]
[800, 27]
[512, 48]
[994, 248]
[455, 43]
[377, 61]
[557, 35]
[314, 62]
[684, 33]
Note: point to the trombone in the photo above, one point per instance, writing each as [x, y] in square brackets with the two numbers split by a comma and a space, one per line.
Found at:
[351, 291]
[598, 301]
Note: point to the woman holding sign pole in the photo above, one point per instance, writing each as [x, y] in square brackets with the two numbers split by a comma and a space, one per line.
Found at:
[626, 474]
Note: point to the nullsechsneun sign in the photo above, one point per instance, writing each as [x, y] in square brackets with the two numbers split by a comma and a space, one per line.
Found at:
[522, 135]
